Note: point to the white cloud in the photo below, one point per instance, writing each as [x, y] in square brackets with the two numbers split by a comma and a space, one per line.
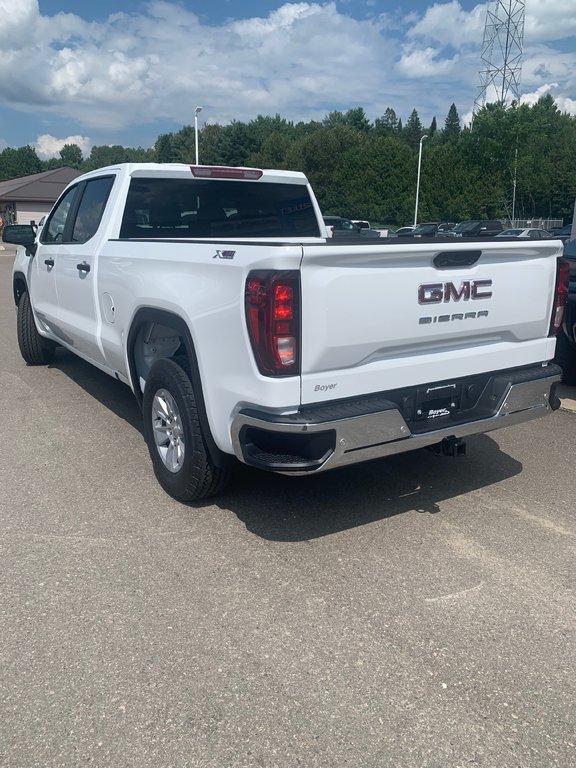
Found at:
[566, 104]
[563, 103]
[532, 98]
[16, 20]
[449, 24]
[98, 74]
[425, 63]
[546, 20]
[49, 146]
[301, 60]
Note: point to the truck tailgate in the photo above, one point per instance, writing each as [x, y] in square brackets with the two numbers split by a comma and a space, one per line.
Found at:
[385, 316]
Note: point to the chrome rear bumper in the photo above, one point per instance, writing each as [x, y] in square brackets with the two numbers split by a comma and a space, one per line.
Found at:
[322, 438]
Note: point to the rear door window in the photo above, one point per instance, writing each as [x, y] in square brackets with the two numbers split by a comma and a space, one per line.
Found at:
[91, 208]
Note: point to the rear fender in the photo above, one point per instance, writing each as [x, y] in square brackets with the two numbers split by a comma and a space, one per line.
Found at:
[168, 319]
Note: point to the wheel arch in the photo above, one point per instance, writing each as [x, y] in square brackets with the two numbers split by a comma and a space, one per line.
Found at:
[19, 285]
[147, 319]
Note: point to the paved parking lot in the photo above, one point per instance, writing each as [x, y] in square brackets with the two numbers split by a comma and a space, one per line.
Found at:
[412, 612]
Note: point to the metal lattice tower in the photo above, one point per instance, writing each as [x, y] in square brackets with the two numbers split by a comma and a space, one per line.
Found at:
[501, 53]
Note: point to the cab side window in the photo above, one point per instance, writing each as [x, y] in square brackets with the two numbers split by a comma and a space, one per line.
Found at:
[91, 208]
[54, 230]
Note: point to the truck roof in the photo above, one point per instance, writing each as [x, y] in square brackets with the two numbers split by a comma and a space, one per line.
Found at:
[187, 170]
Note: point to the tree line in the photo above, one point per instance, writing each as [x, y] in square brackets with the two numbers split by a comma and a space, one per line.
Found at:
[367, 170]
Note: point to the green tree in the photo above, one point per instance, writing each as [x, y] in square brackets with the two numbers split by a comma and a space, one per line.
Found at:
[19, 162]
[272, 153]
[374, 180]
[163, 149]
[413, 130]
[212, 144]
[237, 143]
[71, 155]
[102, 156]
[452, 126]
[319, 155]
[388, 123]
[353, 118]
[183, 146]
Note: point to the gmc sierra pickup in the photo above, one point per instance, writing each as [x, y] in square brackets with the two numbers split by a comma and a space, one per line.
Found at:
[246, 334]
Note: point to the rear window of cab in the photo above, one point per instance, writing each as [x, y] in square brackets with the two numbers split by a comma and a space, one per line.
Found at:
[199, 208]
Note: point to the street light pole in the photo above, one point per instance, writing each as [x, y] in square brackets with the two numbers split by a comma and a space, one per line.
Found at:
[418, 179]
[513, 222]
[196, 113]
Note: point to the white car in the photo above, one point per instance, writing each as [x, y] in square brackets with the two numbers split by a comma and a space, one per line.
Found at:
[532, 233]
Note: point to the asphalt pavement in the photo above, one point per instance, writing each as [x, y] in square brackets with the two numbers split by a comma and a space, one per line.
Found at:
[412, 612]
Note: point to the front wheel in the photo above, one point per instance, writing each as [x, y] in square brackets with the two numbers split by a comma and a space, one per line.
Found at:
[173, 434]
[34, 348]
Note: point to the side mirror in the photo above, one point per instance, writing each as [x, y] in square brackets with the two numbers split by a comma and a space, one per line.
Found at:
[19, 234]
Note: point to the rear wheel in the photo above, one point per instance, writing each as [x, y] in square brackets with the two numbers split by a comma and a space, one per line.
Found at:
[34, 348]
[566, 358]
[174, 436]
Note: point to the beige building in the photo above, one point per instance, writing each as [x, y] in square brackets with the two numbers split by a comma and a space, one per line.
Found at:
[29, 198]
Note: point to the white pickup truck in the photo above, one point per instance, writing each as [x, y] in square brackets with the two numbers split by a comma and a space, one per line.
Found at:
[245, 334]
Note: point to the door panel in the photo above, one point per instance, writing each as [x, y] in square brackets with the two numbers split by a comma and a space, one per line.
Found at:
[79, 314]
[46, 264]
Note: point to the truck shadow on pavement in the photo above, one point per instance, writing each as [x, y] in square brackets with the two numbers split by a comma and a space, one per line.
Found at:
[295, 509]
[113, 394]
[288, 509]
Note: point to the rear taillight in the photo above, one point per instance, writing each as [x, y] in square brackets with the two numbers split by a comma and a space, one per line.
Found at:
[272, 301]
[561, 296]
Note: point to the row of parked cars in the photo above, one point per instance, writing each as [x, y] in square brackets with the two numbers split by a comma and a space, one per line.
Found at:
[481, 228]
[339, 226]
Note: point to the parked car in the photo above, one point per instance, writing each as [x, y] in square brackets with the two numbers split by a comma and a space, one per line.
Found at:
[338, 226]
[431, 229]
[532, 232]
[563, 233]
[566, 340]
[403, 231]
[476, 228]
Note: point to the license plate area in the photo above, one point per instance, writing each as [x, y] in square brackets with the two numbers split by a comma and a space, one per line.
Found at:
[436, 401]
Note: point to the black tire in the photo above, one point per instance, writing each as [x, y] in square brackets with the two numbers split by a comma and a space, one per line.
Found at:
[566, 358]
[35, 349]
[177, 440]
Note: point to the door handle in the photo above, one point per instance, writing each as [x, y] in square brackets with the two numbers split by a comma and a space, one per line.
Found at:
[49, 262]
[84, 267]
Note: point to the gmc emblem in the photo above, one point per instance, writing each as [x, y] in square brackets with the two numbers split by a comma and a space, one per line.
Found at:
[438, 293]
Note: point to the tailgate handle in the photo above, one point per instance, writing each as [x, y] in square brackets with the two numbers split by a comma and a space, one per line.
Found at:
[447, 259]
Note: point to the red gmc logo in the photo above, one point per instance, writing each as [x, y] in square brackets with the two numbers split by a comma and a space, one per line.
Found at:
[440, 293]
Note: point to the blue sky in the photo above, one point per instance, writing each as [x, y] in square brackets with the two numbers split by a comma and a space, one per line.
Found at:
[122, 72]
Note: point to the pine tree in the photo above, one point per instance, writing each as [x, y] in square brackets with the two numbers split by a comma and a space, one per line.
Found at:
[413, 130]
[452, 128]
